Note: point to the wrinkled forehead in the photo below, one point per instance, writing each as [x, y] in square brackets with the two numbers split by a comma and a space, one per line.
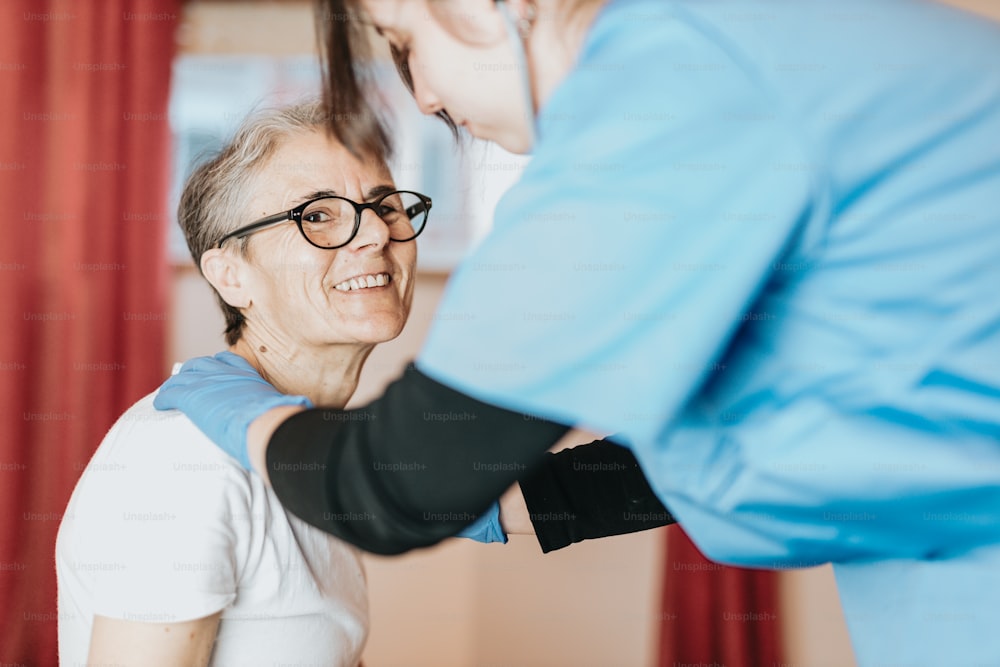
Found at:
[318, 149]
[315, 161]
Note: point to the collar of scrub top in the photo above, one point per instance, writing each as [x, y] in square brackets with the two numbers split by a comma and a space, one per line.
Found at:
[516, 37]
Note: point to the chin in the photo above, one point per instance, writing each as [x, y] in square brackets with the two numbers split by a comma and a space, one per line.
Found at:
[377, 331]
[517, 145]
[511, 141]
[517, 150]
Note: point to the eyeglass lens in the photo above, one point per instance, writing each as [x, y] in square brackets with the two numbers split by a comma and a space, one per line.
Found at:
[329, 222]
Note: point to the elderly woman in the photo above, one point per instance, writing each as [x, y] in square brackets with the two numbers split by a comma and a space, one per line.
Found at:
[171, 553]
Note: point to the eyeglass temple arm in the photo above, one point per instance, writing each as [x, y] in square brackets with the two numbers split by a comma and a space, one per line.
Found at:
[420, 207]
[263, 222]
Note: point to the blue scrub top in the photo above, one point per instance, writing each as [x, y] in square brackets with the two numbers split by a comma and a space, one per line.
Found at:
[760, 241]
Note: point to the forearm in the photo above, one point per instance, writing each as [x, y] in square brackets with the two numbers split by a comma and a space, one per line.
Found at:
[406, 471]
[590, 491]
[515, 518]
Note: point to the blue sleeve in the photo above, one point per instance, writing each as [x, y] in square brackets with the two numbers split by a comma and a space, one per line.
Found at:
[635, 242]
[807, 483]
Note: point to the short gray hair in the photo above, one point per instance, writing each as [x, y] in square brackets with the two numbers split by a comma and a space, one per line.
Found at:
[213, 202]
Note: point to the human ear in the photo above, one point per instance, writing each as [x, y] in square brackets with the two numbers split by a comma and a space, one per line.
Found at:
[227, 273]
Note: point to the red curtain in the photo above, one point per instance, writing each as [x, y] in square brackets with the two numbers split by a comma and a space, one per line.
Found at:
[84, 169]
[714, 615]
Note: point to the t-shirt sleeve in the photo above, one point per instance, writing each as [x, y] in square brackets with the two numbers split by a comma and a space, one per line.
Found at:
[153, 524]
[637, 239]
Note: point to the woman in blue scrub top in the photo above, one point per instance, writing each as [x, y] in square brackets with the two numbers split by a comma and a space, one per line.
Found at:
[760, 243]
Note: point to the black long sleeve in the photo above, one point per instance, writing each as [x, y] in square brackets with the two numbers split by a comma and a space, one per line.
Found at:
[589, 491]
[410, 469]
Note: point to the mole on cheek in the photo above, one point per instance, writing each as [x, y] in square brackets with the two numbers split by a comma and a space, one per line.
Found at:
[262, 348]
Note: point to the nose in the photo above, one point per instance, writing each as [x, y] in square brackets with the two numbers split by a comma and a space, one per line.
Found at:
[427, 101]
[373, 232]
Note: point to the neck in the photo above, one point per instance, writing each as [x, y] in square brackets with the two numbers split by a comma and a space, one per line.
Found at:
[554, 44]
[327, 376]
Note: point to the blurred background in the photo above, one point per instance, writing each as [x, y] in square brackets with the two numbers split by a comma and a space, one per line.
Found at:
[105, 108]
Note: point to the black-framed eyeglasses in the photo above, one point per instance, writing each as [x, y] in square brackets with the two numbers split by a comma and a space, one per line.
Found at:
[332, 222]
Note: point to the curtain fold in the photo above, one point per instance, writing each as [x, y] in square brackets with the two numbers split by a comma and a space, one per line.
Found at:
[714, 615]
[84, 173]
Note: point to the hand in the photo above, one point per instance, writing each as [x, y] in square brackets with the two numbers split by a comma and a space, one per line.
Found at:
[222, 395]
[487, 527]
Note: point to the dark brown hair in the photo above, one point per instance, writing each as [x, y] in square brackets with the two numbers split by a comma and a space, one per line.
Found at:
[343, 33]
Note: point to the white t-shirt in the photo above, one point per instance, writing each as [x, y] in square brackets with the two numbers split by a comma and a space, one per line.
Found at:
[165, 527]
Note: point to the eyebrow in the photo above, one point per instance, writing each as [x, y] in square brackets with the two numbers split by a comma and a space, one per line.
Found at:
[373, 193]
[379, 190]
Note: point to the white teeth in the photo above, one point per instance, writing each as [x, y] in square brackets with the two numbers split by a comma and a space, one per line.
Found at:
[363, 282]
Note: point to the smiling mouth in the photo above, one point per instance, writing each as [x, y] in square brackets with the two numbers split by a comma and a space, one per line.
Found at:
[363, 282]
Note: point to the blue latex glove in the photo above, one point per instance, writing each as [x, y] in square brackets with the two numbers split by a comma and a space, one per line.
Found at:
[487, 527]
[222, 395]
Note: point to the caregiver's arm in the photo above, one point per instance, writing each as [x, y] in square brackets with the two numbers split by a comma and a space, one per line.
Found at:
[584, 492]
[409, 469]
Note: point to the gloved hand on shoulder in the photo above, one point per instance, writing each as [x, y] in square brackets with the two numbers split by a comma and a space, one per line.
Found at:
[222, 395]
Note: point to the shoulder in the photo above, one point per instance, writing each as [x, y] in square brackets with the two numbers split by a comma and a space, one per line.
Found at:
[652, 65]
[158, 461]
[152, 439]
